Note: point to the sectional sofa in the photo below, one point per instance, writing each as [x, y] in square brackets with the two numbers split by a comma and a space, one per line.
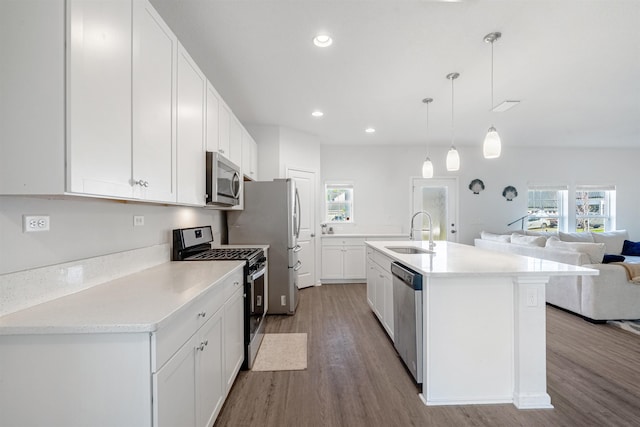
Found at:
[609, 296]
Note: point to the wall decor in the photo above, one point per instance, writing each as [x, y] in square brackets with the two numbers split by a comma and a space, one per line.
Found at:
[510, 193]
[476, 186]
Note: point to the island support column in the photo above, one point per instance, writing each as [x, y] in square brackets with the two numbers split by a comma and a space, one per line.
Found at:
[530, 343]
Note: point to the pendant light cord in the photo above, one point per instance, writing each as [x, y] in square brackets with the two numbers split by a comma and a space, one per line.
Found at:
[427, 129]
[491, 107]
[452, 103]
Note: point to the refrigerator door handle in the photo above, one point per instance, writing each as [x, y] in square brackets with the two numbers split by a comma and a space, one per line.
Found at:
[297, 214]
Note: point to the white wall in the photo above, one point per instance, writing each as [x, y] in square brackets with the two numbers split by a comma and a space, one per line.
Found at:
[382, 176]
[83, 228]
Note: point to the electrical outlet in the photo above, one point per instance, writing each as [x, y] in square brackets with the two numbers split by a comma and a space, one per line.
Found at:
[35, 223]
[532, 298]
[283, 300]
[138, 220]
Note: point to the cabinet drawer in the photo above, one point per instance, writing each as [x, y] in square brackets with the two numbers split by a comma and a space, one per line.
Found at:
[382, 260]
[342, 241]
[190, 318]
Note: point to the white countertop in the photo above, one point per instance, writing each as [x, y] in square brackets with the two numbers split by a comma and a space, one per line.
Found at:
[454, 259]
[139, 302]
[365, 235]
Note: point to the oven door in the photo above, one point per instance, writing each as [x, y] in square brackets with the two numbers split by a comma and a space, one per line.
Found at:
[257, 300]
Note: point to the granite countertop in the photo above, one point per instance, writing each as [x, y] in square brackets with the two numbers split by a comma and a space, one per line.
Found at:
[139, 302]
[454, 259]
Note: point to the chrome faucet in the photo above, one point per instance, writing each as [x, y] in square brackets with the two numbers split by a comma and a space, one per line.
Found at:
[431, 244]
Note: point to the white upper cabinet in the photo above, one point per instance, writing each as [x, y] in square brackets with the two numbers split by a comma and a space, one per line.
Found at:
[99, 98]
[235, 140]
[155, 50]
[120, 109]
[249, 156]
[190, 133]
[213, 120]
[224, 123]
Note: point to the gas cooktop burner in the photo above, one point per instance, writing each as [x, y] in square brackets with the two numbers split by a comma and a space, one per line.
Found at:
[225, 254]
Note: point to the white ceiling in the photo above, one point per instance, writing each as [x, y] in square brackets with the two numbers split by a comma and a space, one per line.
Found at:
[573, 64]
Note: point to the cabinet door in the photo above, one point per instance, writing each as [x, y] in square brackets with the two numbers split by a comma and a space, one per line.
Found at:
[234, 336]
[387, 285]
[209, 370]
[213, 120]
[224, 123]
[154, 95]
[190, 131]
[99, 98]
[332, 262]
[354, 262]
[249, 156]
[372, 276]
[235, 140]
[174, 389]
[380, 294]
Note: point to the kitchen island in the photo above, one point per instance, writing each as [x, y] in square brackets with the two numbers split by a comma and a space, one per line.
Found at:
[484, 338]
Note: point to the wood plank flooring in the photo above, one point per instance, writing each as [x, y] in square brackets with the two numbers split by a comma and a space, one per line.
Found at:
[355, 378]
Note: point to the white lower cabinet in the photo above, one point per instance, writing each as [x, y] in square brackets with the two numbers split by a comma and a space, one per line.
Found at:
[343, 259]
[380, 288]
[178, 375]
[234, 338]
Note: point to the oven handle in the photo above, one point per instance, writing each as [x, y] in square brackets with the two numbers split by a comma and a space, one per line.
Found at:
[259, 273]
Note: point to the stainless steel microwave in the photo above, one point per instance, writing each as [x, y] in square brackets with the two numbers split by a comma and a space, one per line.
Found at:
[223, 180]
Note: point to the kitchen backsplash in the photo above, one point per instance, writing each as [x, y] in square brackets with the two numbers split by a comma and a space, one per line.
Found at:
[27, 288]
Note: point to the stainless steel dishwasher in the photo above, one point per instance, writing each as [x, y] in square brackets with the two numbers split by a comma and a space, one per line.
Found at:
[407, 317]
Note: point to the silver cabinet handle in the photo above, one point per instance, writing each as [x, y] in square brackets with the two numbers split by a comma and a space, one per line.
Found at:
[202, 314]
[141, 183]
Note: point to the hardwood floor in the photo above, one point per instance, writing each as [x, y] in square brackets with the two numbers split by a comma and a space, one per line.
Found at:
[355, 378]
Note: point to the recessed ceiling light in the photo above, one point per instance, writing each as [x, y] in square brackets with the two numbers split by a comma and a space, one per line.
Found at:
[322, 40]
[369, 130]
[317, 113]
[504, 106]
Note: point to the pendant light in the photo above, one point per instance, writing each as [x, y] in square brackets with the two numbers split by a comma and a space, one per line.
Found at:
[453, 158]
[427, 166]
[492, 144]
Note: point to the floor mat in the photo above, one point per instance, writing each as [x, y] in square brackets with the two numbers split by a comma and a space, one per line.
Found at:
[282, 352]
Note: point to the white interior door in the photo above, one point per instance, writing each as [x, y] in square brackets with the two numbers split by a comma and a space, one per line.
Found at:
[439, 197]
[306, 185]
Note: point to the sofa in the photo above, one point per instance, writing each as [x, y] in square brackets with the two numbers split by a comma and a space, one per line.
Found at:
[611, 295]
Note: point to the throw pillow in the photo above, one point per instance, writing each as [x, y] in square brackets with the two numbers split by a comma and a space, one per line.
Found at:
[485, 235]
[631, 248]
[518, 239]
[612, 258]
[542, 233]
[612, 239]
[575, 237]
[595, 251]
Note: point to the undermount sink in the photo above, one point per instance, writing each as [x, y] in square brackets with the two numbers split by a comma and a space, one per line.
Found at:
[408, 250]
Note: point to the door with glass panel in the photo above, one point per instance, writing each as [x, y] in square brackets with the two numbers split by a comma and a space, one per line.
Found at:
[438, 197]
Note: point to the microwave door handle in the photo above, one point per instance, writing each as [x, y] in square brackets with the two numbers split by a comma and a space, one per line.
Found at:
[235, 188]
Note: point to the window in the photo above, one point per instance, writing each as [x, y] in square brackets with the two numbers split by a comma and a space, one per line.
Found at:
[595, 207]
[547, 208]
[338, 203]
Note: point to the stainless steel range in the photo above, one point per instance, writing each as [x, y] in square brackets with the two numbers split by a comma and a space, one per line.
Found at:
[194, 244]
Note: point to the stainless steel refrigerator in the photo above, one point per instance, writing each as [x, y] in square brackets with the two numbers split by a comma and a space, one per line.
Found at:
[271, 216]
